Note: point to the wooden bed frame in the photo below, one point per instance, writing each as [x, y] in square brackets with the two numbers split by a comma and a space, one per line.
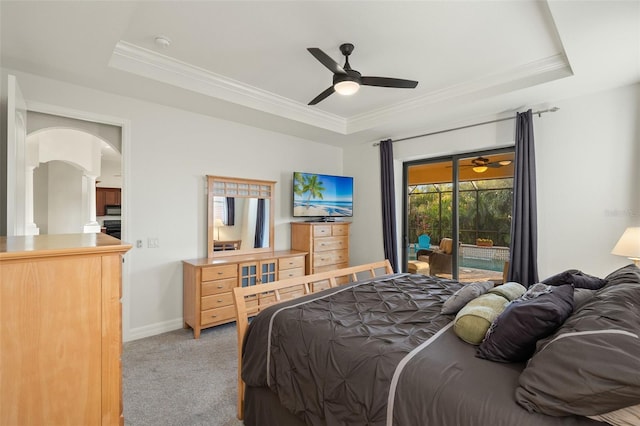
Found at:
[249, 301]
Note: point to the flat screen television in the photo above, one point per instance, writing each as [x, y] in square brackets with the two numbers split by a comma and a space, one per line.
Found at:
[324, 197]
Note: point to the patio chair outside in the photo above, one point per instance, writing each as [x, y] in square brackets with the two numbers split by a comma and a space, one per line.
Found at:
[424, 242]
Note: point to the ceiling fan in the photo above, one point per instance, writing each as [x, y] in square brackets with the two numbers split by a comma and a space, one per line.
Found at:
[482, 164]
[347, 81]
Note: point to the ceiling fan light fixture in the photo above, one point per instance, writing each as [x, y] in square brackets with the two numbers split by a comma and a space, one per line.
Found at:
[346, 87]
[480, 169]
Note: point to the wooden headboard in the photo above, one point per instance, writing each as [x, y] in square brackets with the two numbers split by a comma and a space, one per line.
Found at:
[249, 301]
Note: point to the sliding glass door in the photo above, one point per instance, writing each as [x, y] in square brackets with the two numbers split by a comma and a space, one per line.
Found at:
[428, 216]
[457, 215]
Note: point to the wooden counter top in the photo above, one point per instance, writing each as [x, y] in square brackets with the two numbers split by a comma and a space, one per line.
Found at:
[26, 246]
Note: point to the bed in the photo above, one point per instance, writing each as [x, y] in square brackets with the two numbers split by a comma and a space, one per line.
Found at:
[371, 351]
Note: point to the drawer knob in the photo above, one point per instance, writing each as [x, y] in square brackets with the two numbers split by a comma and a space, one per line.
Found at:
[220, 272]
[220, 286]
[219, 300]
[213, 316]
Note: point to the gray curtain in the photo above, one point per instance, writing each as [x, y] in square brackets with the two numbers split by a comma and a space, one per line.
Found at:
[388, 203]
[260, 220]
[231, 211]
[523, 262]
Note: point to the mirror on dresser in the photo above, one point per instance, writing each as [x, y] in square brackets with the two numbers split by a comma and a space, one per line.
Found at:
[239, 216]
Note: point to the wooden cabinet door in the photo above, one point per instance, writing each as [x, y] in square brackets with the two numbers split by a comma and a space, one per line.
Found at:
[112, 197]
[268, 271]
[261, 272]
[249, 274]
[51, 339]
[107, 197]
[100, 202]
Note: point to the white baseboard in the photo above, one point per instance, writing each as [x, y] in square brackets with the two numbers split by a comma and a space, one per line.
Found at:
[152, 329]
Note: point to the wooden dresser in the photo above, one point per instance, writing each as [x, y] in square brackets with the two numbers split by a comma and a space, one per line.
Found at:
[326, 242]
[208, 283]
[60, 330]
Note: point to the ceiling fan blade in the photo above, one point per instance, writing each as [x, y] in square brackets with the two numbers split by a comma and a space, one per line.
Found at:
[389, 82]
[326, 60]
[322, 95]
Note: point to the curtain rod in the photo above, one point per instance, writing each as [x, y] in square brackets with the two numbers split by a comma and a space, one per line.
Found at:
[538, 113]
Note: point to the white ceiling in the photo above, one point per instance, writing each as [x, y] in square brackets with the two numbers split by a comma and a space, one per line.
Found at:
[247, 60]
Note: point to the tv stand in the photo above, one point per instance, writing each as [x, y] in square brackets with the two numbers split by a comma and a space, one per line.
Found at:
[322, 219]
[326, 243]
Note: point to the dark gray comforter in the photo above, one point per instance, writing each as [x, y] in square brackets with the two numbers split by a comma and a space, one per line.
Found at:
[379, 352]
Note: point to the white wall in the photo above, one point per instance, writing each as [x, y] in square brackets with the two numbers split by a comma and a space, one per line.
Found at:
[588, 177]
[110, 174]
[169, 155]
[587, 157]
[64, 194]
[41, 197]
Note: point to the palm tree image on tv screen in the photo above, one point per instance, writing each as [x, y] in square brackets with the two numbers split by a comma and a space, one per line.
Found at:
[317, 195]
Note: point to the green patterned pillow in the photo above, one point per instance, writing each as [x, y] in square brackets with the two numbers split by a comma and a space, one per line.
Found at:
[473, 321]
[510, 291]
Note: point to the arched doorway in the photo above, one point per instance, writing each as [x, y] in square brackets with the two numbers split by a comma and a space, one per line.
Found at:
[68, 166]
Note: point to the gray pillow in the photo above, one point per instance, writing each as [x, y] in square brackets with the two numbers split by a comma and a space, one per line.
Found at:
[577, 279]
[513, 335]
[590, 364]
[463, 296]
[626, 274]
[582, 296]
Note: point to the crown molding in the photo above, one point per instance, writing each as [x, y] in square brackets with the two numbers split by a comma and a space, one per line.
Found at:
[153, 65]
[536, 72]
[150, 64]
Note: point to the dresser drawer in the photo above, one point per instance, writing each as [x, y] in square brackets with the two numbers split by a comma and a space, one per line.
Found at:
[322, 231]
[218, 286]
[216, 301]
[225, 313]
[330, 258]
[339, 230]
[330, 243]
[219, 272]
[290, 273]
[291, 263]
[330, 267]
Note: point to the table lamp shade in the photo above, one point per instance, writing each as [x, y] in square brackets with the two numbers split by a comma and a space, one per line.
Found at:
[629, 245]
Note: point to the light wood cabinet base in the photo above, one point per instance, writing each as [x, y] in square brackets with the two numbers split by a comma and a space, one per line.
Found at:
[60, 330]
[208, 283]
[327, 244]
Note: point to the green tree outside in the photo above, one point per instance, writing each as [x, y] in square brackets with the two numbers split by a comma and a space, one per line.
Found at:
[484, 211]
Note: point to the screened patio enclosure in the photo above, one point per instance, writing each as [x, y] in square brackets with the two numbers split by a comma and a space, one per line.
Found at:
[467, 199]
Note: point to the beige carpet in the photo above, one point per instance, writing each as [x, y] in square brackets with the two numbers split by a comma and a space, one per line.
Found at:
[173, 379]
